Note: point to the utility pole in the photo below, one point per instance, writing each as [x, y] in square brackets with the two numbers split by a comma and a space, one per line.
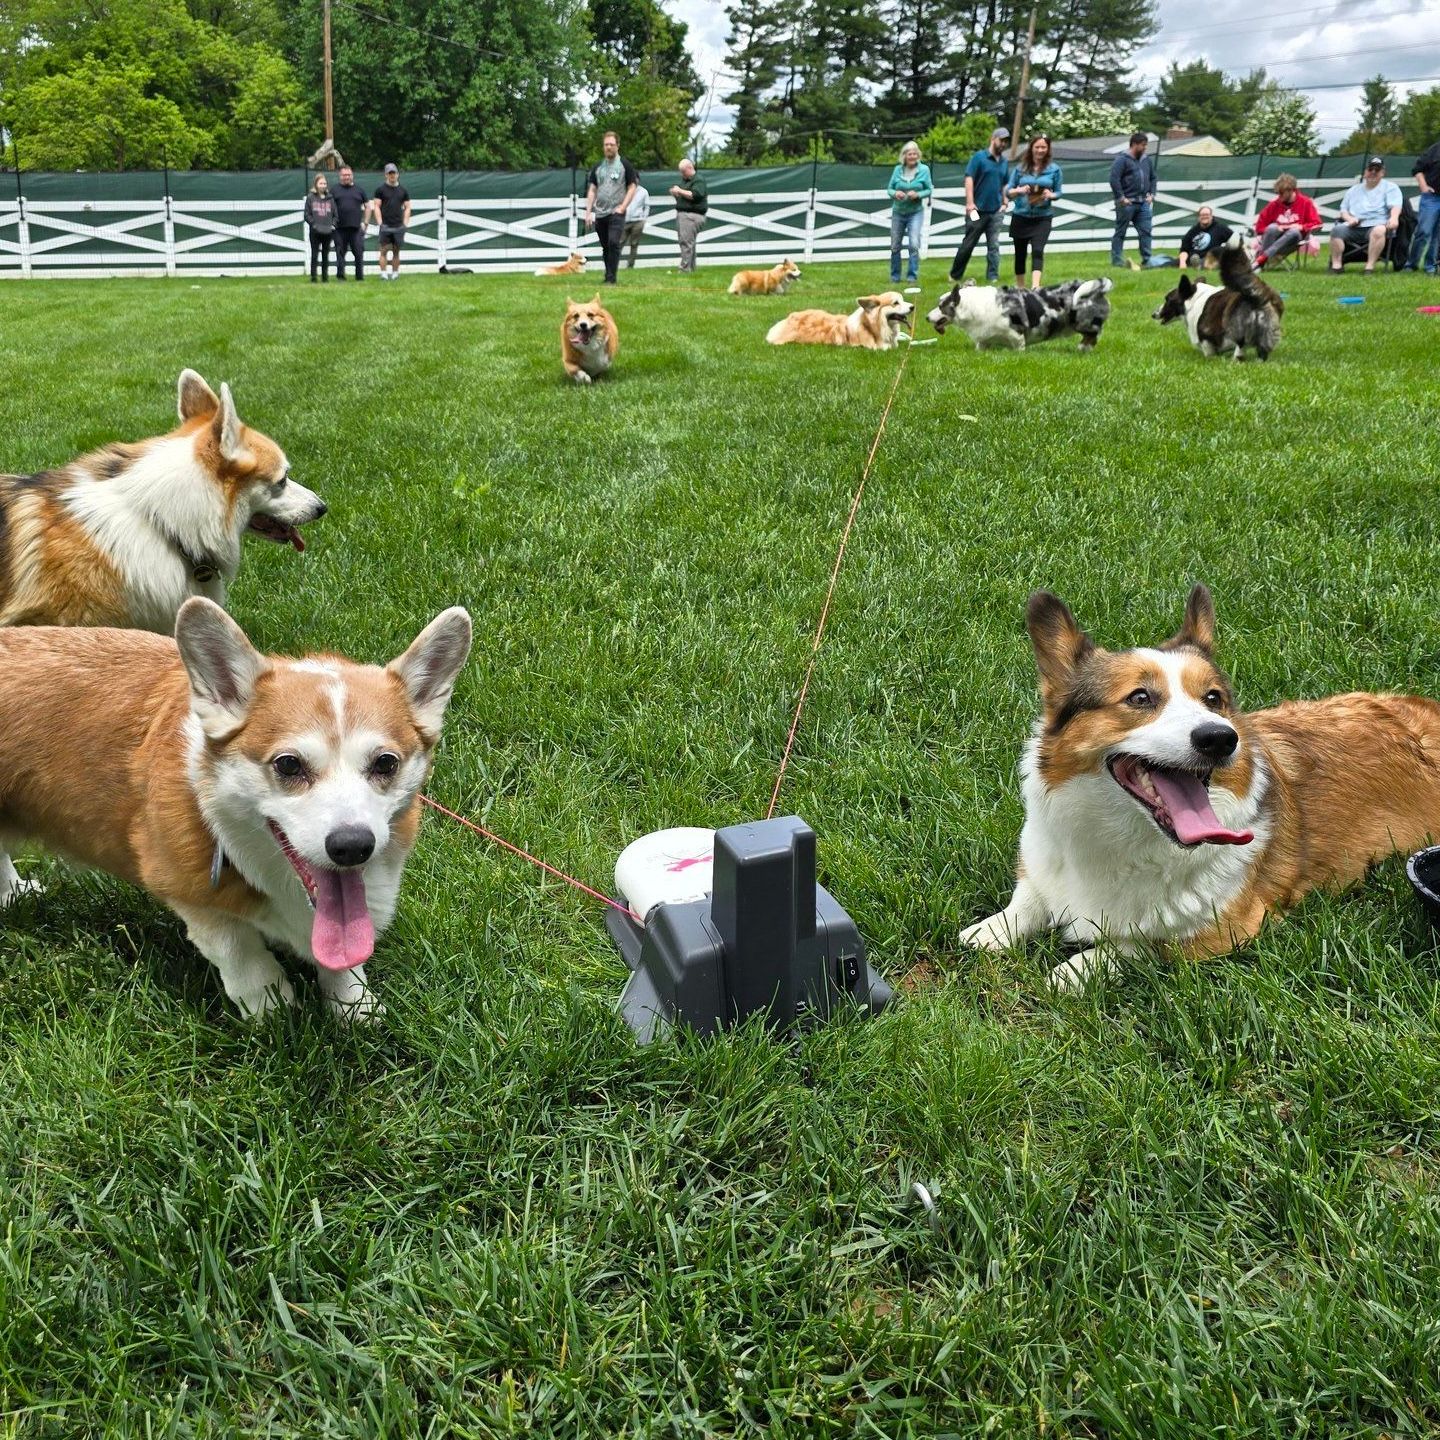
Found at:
[1024, 84]
[330, 97]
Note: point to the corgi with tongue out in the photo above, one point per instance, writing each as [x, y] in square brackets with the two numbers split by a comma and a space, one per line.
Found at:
[267, 801]
[1156, 810]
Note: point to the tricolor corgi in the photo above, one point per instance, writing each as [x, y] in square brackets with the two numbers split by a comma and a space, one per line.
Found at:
[775, 281]
[125, 535]
[589, 340]
[575, 265]
[265, 801]
[1156, 810]
[874, 324]
[1226, 319]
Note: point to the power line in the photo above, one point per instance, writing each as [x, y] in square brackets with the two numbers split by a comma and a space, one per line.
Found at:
[1310, 10]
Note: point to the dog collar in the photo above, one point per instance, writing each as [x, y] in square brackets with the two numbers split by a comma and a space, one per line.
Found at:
[218, 862]
[203, 568]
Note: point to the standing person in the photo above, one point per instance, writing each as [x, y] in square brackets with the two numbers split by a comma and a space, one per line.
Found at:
[320, 216]
[1369, 216]
[1132, 183]
[909, 188]
[692, 202]
[352, 205]
[1285, 222]
[1034, 184]
[609, 189]
[635, 218]
[392, 209]
[985, 177]
[1203, 241]
[1427, 231]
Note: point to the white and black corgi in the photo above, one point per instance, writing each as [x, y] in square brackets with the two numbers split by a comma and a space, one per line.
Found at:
[1010, 318]
[1243, 312]
[125, 535]
[1156, 810]
[265, 801]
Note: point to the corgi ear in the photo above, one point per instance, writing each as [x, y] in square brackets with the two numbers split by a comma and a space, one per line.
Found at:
[226, 425]
[222, 664]
[1198, 631]
[868, 302]
[428, 669]
[1060, 644]
[194, 397]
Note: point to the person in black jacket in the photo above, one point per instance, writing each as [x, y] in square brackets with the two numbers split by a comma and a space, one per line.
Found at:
[320, 216]
[1202, 243]
[351, 205]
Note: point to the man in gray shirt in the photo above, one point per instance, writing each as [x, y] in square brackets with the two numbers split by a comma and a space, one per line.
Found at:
[609, 189]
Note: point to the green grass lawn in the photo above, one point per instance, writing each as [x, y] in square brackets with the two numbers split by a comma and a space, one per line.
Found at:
[1195, 1200]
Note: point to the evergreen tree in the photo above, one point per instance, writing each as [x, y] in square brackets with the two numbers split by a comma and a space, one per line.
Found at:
[1204, 99]
[1420, 120]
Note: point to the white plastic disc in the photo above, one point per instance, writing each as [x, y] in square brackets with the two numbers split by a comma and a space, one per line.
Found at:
[666, 867]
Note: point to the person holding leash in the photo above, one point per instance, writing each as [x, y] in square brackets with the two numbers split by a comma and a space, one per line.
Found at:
[392, 210]
[984, 206]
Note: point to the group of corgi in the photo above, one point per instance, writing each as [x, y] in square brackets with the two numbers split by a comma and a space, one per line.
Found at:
[264, 800]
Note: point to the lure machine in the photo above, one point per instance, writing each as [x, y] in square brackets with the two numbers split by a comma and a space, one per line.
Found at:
[732, 924]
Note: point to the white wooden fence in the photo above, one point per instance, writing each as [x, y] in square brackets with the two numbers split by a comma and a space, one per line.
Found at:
[168, 236]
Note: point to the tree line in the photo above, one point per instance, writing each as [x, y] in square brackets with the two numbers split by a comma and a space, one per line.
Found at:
[530, 84]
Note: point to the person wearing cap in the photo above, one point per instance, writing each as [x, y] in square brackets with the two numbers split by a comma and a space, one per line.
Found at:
[1427, 229]
[985, 178]
[1369, 216]
[910, 186]
[1132, 183]
[352, 205]
[392, 210]
[609, 189]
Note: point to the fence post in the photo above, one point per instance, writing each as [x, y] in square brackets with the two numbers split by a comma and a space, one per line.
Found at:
[574, 214]
[440, 236]
[810, 208]
[304, 232]
[169, 220]
[1254, 206]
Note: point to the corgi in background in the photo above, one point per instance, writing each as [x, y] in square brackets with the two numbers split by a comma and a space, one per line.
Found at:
[589, 340]
[775, 281]
[575, 265]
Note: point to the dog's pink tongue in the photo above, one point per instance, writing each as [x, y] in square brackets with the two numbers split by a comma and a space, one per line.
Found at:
[343, 934]
[1188, 802]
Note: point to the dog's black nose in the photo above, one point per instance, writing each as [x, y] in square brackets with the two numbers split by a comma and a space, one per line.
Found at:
[323, 510]
[350, 845]
[1214, 742]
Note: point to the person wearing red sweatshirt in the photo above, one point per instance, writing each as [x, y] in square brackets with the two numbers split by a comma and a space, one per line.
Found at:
[1284, 222]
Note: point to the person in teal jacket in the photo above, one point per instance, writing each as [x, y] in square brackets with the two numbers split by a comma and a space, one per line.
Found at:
[1034, 185]
[910, 187]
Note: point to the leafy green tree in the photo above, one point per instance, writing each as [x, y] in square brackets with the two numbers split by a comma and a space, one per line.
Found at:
[271, 120]
[1204, 99]
[97, 116]
[952, 141]
[1420, 120]
[1282, 122]
[644, 81]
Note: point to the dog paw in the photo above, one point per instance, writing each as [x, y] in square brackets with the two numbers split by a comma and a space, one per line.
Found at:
[254, 1003]
[1073, 975]
[10, 893]
[363, 1009]
[581, 378]
[988, 934]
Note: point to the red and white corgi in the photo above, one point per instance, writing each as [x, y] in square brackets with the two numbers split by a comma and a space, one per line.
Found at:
[874, 324]
[125, 535]
[265, 801]
[1156, 810]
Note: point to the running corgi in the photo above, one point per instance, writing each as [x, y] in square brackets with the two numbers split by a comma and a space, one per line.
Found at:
[589, 340]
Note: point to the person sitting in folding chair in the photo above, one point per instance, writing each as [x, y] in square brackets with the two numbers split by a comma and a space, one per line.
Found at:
[1369, 217]
[1283, 226]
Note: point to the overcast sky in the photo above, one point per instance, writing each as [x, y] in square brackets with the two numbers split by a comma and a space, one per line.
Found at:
[1303, 46]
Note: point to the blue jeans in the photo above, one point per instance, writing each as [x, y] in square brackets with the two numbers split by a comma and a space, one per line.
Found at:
[905, 227]
[1126, 215]
[1427, 232]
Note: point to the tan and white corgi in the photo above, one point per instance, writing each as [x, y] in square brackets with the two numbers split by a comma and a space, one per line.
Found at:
[265, 801]
[575, 265]
[1156, 810]
[874, 324]
[589, 340]
[125, 535]
[775, 281]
